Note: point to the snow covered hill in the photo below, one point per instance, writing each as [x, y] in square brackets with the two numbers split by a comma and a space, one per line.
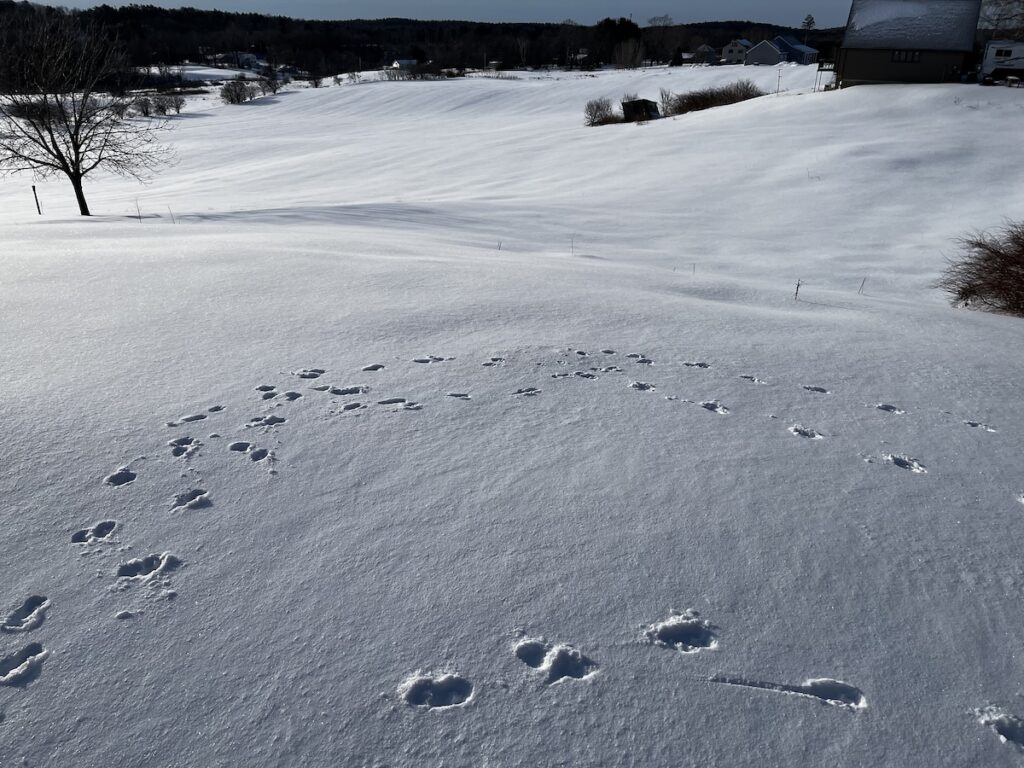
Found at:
[417, 424]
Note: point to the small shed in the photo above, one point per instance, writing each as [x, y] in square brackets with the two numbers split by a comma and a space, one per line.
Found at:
[907, 41]
[637, 110]
[764, 53]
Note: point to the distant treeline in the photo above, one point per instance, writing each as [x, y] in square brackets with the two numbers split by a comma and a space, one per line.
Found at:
[155, 36]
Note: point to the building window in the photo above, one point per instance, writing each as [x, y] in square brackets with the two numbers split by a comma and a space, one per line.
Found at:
[1004, 53]
[906, 57]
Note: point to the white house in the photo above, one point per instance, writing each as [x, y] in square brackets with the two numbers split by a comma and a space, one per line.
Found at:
[736, 51]
[404, 64]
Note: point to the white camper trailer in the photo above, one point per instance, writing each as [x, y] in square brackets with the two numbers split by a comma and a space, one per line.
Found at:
[1003, 59]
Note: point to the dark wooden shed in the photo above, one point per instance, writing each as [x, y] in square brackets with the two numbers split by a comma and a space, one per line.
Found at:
[635, 110]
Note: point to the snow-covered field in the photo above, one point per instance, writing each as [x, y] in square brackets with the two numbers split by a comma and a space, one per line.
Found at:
[417, 424]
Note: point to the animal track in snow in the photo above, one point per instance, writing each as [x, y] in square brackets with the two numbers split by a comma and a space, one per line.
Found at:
[184, 446]
[685, 632]
[352, 406]
[145, 568]
[644, 361]
[835, 693]
[309, 373]
[818, 390]
[27, 616]
[268, 391]
[266, 421]
[807, 432]
[557, 662]
[196, 498]
[752, 379]
[641, 386]
[979, 425]
[291, 397]
[905, 462]
[24, 666]
[1009, 728]
[576, 374]
[259, 454]
[527, 392]
[431, 359]
[186, 420]
[610, 369]
[392, 401]
[241, 446]
[607, 351]
[890, 409]
[690, 364]
[345, 391]
[373, 367]
[493, 362]
[435, 691]
[123, 476]
[715, 407]
[460, 395]
[98, 532]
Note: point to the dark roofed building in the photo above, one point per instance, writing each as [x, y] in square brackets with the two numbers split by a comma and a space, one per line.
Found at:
[907, 41]
[795, 51]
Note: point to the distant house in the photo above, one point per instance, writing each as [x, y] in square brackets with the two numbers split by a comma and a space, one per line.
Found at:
[736, 51]
[907, 41]
[795, 51]
[237, 59]
[765, 53]
[404, 64]
[705, 54]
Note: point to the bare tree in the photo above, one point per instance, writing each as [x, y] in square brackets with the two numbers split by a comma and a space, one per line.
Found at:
[629, 54]
[63, 107]
[1005, 16]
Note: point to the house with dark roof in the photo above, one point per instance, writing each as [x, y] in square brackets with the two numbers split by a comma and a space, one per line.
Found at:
[907, 41]
[795, 51]
[764, 53]
[736, 51]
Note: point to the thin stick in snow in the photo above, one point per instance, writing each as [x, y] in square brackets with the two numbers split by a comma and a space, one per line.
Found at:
[138, 210]
[36, 196]
[174, 221]
[796, 296]
[861, 289]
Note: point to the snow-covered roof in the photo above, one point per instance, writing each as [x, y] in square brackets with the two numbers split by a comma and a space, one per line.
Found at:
[933, 25]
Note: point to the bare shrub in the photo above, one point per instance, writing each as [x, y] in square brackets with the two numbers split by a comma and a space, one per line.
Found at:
[237, 92]
[268, 85]
[600, 112]
[989, 274]
[143, 105]
[165, 102]
[706, 98]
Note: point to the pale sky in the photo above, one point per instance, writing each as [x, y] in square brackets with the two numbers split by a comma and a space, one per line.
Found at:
[827, 13]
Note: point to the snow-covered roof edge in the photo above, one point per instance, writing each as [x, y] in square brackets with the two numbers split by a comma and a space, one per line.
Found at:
[934, 25]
